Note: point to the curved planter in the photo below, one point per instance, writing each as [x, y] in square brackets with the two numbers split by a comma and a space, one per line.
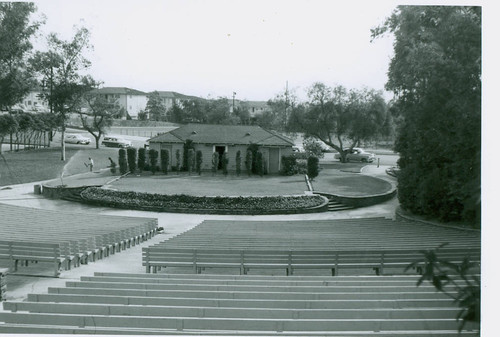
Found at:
[63, 192]
[228, 211]
[361, 201]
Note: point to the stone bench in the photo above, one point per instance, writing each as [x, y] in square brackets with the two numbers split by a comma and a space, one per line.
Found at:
[16, 252]
[161, 256]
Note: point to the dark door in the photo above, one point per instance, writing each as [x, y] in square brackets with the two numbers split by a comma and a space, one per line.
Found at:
[220, 149]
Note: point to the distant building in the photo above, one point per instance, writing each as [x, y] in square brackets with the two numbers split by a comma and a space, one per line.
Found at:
[169, 98]
[130, 100]
[33, 102]
[255, 107]
[227, 139]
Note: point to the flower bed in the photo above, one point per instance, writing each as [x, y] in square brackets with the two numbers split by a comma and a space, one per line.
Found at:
[195, 204]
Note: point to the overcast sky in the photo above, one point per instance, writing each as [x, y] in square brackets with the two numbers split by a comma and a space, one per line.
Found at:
[212, 48]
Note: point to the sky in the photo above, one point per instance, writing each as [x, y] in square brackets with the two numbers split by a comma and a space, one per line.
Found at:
[214, 48]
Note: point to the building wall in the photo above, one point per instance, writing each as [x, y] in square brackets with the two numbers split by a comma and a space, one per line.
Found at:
[134, 104]
[207, 151]
[33, 103]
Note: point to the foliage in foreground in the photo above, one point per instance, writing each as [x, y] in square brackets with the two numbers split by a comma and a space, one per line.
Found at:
[444, 275]
[139, 200]
[435, 74]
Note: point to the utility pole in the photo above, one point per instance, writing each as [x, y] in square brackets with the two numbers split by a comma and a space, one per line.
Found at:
[234, 94]
[286, 107]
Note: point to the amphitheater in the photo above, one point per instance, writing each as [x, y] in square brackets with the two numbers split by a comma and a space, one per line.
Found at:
[330, 277]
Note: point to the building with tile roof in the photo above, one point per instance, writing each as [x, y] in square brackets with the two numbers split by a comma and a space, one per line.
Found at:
[132, 101]
[227, 139]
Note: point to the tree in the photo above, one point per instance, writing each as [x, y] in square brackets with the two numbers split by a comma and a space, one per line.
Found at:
[8, 125]
[155, 107]
[435, 74]
[60, 71]
[99, 113]
[280, 109]
[336, 116]
[313, 147]
[218, 111]
[16, 31]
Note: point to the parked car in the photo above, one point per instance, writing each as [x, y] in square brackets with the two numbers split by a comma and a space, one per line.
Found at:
[116, 142]
[357, 154]
[76, 139]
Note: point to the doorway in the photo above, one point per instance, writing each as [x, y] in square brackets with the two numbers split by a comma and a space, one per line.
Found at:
[220, 149]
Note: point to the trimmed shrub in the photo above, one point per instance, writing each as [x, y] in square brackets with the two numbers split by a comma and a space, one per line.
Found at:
[122, 161]
[131, 159]
[289, 165]
[238, 163]
[199, 161]
[259, 164]
[177, 161]
[248, 162]
[254, 148]
[312, 167]
[191, 160]
[225, 162]
[188, 145]
[141, 159]
[301, 166]
[215, 162]
[153, 160]
[164, 160]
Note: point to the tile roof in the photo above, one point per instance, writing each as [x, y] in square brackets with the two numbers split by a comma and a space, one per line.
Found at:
[173, 94]
[223, 134]
[119, 91]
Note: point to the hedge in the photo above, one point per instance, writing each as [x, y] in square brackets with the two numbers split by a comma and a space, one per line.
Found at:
[153, 201]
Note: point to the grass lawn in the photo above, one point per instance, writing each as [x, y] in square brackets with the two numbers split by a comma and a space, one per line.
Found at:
[349, 184]
[31, 165]
[44, 164]
[208, 185]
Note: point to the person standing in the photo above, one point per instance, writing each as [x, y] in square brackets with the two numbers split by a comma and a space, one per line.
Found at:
[91, 164]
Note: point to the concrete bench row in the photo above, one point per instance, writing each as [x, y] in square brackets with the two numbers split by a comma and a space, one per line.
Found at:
[367, 243]
[137, 304]
[65, 239]
[348, 234]
[395, 261]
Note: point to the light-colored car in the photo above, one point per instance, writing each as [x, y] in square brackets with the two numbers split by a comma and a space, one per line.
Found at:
[358, 154]
[116, 142]
[76, 139]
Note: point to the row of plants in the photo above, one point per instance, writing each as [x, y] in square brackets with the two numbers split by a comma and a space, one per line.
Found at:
[162, 202]
[189, 160]
[292, 165]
